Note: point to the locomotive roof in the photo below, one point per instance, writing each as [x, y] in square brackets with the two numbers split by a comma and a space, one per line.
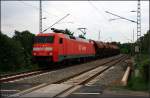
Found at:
[50, 34]
[64, 36]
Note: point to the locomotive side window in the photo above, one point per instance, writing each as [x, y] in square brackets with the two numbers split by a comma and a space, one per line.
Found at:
[44, 39]
[60, 40]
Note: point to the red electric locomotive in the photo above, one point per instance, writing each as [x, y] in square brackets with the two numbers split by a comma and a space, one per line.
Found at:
[56, 47]
[59, 46]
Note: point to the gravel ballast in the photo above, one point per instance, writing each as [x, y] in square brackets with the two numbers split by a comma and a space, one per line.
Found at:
[57, 75]
[112, 76]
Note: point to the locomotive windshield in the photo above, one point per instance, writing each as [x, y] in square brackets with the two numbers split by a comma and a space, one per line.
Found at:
[44, 39]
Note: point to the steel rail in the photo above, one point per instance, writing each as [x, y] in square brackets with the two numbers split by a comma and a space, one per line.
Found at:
[118, 59]
[84, 81]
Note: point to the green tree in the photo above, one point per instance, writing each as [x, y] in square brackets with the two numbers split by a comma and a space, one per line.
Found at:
[11, 54]
[26, 40]
[145, 43]
[125, 47]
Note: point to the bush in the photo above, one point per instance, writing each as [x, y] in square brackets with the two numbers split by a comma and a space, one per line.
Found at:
[141, 82]
[137, 83]
[145, 68]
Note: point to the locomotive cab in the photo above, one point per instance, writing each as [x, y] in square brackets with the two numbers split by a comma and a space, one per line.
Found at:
[48, 47]
[43, 47]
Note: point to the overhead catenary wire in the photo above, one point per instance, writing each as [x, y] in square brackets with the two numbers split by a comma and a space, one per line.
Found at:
[120, 16]
[77, 24]
[110, 13]
[96, 8]
[99, 12]
[56, 22]
[60, 11]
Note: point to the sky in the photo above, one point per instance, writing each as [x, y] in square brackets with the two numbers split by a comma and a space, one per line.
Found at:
[24, 15]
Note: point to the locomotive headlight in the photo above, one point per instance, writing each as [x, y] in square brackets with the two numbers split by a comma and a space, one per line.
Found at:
[49, 48]
[50, 53]
[34, 53]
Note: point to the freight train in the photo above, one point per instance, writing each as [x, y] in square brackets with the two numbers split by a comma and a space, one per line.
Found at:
[59, 46]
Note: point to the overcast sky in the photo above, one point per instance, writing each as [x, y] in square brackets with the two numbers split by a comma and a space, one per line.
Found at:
[24, 15]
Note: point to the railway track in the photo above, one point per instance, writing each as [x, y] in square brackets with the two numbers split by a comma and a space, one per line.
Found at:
[54, 74]
[66, 86]
[19, 75]
[9, 78]
[79, 81]
[15, 76]
[12, 74]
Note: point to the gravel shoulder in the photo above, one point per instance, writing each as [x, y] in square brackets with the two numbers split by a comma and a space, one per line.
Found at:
[112, 81]
[108, 84]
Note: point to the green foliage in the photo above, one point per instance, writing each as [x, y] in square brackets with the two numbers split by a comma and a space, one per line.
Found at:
[26, 40]
[145, 42]
[137, 83]
[128, 48]
[11, 54]
[142, 81]
[145, 70]
[144, 66]
[16, 52]
[125, 48]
